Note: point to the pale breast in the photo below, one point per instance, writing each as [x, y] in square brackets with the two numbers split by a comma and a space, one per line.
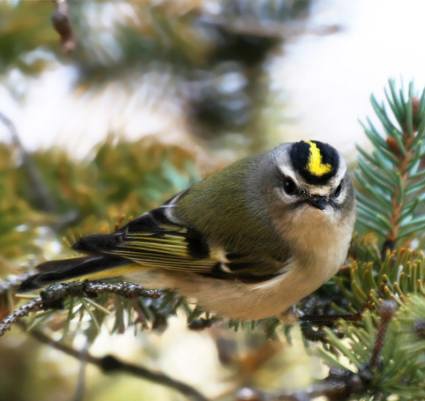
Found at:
[317, 238]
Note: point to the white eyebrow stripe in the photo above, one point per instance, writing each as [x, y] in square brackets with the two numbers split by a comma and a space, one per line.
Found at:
[288, 172]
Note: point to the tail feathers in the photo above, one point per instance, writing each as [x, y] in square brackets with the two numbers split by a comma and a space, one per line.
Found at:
[65, 269]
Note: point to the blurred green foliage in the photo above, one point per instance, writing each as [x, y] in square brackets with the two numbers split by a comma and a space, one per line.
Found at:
[15, 211]
[24, 28]
[119, 182]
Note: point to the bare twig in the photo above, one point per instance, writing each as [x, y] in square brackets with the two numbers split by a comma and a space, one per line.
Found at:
[111, 364]
[80, 386]
[33, 306]
[386, 312]
[53, 296]
[62, 25]
[338, 386]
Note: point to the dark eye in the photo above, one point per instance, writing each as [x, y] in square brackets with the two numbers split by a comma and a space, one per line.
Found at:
[289, 186]
[337, 190]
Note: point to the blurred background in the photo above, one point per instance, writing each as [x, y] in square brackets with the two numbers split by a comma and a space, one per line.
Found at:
[109, 107]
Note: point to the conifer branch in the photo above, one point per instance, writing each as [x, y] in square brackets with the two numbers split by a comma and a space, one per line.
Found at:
[385, 349]
[54, 296]
[391, 180]
[404, 151]
[340, 383]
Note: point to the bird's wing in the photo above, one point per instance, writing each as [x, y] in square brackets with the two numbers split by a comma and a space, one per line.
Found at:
[158, 240]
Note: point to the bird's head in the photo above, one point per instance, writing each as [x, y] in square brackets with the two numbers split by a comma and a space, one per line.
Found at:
[310, 177]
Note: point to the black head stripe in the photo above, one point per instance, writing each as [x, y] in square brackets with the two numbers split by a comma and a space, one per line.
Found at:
[315, 161]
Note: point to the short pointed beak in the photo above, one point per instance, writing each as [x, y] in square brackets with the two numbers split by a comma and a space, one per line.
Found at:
[320, 202]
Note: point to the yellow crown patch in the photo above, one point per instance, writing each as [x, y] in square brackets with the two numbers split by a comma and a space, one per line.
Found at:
[315, 166]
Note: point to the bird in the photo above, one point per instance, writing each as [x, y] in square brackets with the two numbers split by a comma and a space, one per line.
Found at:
[247, 242]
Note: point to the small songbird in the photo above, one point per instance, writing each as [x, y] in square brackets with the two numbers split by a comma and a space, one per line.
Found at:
[247, 242]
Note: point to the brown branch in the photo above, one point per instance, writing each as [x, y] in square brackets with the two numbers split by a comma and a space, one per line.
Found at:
[404, 160]
[53, 297]
[80, 387]
[386, 311]
[33, 306]
[111, 364]
[62, 25]
[340, 384]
